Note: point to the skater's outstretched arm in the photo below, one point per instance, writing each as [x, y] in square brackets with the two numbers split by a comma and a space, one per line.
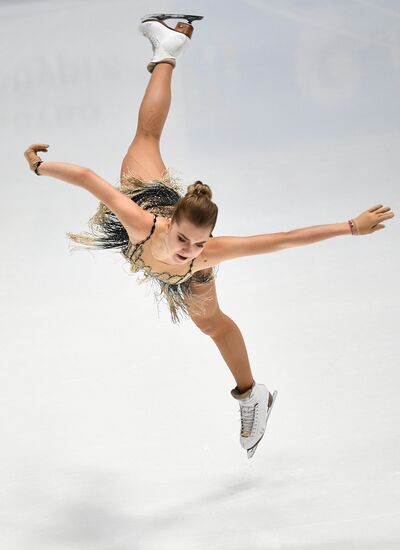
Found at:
[220, 249]
[132, 217]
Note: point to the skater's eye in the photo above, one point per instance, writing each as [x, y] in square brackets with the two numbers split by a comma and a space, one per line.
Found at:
[183, 240]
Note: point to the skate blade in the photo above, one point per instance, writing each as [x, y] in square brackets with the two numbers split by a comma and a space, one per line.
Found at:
[163, 16]
[252, 450]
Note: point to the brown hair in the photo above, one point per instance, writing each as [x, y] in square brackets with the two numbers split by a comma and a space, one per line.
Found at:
[196, 206]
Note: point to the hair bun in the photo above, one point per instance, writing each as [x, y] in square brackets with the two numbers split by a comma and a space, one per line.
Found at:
[199, 188]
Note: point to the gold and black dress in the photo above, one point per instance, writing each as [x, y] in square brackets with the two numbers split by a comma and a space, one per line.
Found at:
[106, 231]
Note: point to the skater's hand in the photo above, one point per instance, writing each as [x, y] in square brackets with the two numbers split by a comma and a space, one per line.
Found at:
[370, 220]
[32, 157]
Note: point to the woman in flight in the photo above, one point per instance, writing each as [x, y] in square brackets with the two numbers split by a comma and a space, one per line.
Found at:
[167, 236]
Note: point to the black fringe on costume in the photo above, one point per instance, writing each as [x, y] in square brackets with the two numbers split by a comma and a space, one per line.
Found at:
[107, 232]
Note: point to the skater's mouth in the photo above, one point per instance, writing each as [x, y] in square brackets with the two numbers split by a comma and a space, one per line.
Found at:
[181, 257]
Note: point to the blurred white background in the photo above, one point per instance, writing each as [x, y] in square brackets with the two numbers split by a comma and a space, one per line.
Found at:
[118, 430]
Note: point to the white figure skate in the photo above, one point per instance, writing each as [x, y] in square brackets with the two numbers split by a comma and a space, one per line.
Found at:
[167, 43]
[255, 407]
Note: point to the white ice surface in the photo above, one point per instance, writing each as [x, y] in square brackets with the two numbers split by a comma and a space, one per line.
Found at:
[118, 430]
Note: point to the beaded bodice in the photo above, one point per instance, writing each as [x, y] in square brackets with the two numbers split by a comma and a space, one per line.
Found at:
[134, 252]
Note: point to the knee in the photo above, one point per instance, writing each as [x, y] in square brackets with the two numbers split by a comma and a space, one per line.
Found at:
[150, 125]
[148, 132]
[211, 325]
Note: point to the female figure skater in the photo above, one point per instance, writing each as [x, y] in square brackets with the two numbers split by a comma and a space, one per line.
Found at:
[168, 237]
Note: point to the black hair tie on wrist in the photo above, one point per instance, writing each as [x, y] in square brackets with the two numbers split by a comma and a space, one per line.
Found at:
[37, 166]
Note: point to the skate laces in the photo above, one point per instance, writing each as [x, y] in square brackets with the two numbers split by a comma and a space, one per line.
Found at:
[249, 415]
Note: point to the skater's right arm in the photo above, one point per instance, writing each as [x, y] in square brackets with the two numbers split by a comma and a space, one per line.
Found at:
[72, 173]
[133, 218]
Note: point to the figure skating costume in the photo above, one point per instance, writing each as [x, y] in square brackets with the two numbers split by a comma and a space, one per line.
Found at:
[107, 232]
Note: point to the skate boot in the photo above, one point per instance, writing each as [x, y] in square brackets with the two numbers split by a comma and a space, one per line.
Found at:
[167, 43]
[255, 407]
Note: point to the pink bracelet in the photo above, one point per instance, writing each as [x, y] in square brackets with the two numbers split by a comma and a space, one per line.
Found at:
[352, 229]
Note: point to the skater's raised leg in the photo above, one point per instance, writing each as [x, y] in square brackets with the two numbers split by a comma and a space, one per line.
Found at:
[143, 155]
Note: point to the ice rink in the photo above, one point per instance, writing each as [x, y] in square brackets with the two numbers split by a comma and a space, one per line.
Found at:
[118, 430]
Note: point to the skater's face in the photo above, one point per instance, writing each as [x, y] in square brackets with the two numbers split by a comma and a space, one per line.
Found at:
[186, 241]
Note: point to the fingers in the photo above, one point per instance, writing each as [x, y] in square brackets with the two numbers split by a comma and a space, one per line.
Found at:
[38, 147]
[31, 153]
[379, 209]
[373, 208]
[385, 214]
[371, 220]
[382, 211]
[32, 157]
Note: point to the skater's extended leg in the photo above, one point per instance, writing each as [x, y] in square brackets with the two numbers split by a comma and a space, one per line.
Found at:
[231, 344]
[226, 334]
[255, 400]
[143, 155]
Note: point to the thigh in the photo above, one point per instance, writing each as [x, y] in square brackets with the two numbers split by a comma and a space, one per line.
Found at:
[210, 318]
[144, 159]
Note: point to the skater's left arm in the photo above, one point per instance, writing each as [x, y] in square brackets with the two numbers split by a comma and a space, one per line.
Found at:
[220, 249]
